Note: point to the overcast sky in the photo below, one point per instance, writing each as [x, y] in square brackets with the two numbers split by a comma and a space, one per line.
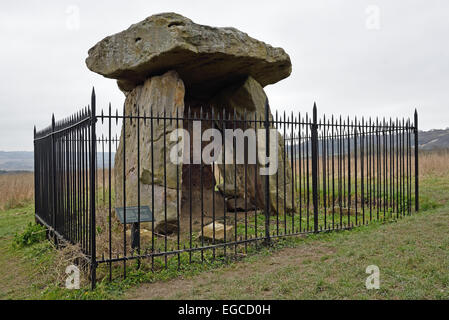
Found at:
[353, 57]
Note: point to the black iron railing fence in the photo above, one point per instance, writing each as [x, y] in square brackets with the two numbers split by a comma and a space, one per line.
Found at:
[331, 174]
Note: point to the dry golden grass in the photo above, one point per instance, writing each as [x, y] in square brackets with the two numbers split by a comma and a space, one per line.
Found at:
[16, 190]
[69, 254]
[434, 163]
[117, 245]
[431, 163]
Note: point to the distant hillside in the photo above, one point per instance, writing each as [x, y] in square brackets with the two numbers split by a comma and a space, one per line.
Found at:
[14, 161]
[24, 161]
[434, 139]
[428, 140]
[14, 172]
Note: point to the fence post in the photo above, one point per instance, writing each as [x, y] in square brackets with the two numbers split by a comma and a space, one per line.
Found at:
[416, 163]
[53, 170]
[93, 167]
[314, 129]
[267, 177]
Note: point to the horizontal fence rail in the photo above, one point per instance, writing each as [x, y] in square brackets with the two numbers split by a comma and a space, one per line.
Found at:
[151, 189]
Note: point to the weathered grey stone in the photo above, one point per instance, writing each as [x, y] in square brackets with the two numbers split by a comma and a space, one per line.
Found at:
[208, 232]
[206, 58]
[248, 99]
[160, 93]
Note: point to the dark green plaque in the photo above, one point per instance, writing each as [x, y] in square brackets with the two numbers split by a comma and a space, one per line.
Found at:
[132, 214]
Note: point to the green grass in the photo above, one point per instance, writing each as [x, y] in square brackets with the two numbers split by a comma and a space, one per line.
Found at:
[25, 269]
[412, 254]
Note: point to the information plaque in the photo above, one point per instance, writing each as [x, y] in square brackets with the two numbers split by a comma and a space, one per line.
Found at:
[132, 214]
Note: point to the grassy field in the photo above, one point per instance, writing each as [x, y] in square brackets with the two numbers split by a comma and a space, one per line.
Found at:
[412, 255]
[16, 190]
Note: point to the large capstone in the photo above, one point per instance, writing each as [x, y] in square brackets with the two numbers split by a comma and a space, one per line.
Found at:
[206, 58]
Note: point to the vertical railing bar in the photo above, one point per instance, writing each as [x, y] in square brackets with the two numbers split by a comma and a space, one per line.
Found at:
[292, 164]
[224, 183]
[213, 190]
[385, 168]
[301, 178]
[256, 125]
[83, 187]
[104, 178]
[416, 162]
[362, 169]
[53, 162]
[377, 168]
[390, 203]
[392, 175]
[340, 165]
[284, 127]
[397, 166]
[344, 155]
[314, 128]
[294, 170]
[327, 133]
[124, 188]
[234, 159]
[202, 198]
[178, 229]
[135, 232]
[86, 185]
[349, 173]
[355, 169]
[36, 148]
[165, 190]
[152, 118]
[277, 182]
[333, 170]
[78, 167]
[410, 164]
[308, 171]
[190, 129]
[407, 164]
[403, 166]
[110, 194]
[93, 161]
[246, 158]
[324, 167]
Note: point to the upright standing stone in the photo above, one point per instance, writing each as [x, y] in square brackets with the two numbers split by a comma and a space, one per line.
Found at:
[158, 93]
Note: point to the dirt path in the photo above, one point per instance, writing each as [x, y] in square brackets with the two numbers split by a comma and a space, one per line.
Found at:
[23, 275]
[16, 278]
[218, 281]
